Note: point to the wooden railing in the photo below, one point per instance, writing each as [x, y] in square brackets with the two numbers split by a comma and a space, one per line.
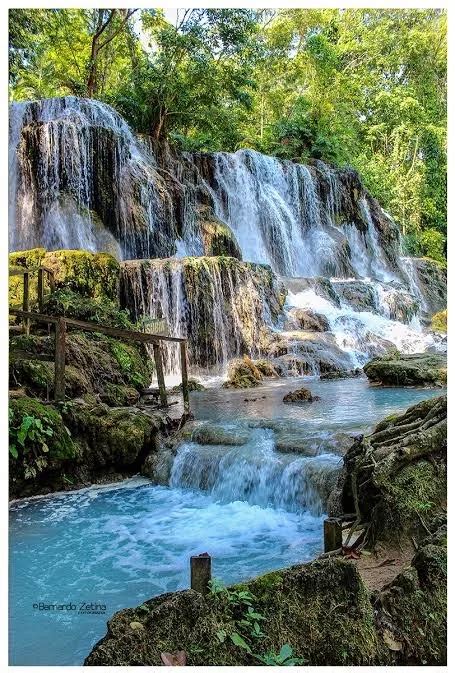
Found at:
[42, 272]
[62, 323]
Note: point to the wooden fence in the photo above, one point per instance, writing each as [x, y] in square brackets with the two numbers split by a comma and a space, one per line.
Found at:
[61, 326]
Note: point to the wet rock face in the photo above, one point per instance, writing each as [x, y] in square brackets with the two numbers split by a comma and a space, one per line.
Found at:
[309, 320]
[420, 369]
[221, 304]
[432, 279]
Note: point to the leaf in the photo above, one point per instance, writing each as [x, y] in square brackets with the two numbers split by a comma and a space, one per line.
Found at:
[285, 652]
[13, 450]
[44, 447]
[221, 635]
[238, 640]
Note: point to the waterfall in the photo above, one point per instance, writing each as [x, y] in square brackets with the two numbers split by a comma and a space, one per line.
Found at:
[256, 473]
[220, 304]
[80, 179]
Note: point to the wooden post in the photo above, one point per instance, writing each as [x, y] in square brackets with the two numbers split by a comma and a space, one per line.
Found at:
[201, 572]
[60, 346]
[26, 302]
[40, 290]
[160, 373]
[184, 367]
[333, 534]
[50, 275]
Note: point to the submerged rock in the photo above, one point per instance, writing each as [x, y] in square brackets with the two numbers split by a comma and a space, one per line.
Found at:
[420, 369]
[300, 395]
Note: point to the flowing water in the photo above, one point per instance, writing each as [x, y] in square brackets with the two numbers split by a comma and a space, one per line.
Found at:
[311, 239]
[256, 509]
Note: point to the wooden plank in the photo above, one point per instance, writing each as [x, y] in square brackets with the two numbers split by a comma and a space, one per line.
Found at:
[128, 335]
[60, 348]
[40, 290]
[184, 367]
[160, 373]
[38, 317]
[201, 573]
[26, 302]
[51, 278]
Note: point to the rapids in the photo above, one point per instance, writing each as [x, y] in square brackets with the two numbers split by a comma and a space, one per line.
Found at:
[120, 544]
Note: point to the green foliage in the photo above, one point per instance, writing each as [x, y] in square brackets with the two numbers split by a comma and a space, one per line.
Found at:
[360, 86]
[36, 436]
[283, 658]
[73, 305]
[439, 321]
[248, 633]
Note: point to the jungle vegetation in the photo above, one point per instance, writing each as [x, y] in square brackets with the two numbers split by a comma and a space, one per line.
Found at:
[359, 87]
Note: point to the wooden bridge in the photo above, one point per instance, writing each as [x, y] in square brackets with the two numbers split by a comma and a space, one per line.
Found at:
[62, 323]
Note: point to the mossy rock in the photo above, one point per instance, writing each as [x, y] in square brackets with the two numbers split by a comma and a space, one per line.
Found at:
[439, 321]
[399, 473]
[420, 369]
[38, 439]
[322, 610]
[299, 396]
[90, 442]
[91, 274]
[218, 238]
[95, 363]
[243, 374]
[112, 436]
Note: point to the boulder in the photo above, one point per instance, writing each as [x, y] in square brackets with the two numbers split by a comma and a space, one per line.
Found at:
[309, 320]
[300, 395]
[218, 238]
[420, 369]
[319, 613]
[243, 374]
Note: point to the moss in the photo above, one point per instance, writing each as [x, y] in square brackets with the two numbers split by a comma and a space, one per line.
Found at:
[193, 385]
[413, 609]
[116, 395]
[421, 369]
[243, 374]
[321, 609]
[90, 274]
[439, 321]
[112, 436]
[218, 238]
[93, 363]
[414, 492]
[100, 310]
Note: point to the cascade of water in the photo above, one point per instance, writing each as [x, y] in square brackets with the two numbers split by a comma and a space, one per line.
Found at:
[220, 305]
[256, 473]
[81, 179]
